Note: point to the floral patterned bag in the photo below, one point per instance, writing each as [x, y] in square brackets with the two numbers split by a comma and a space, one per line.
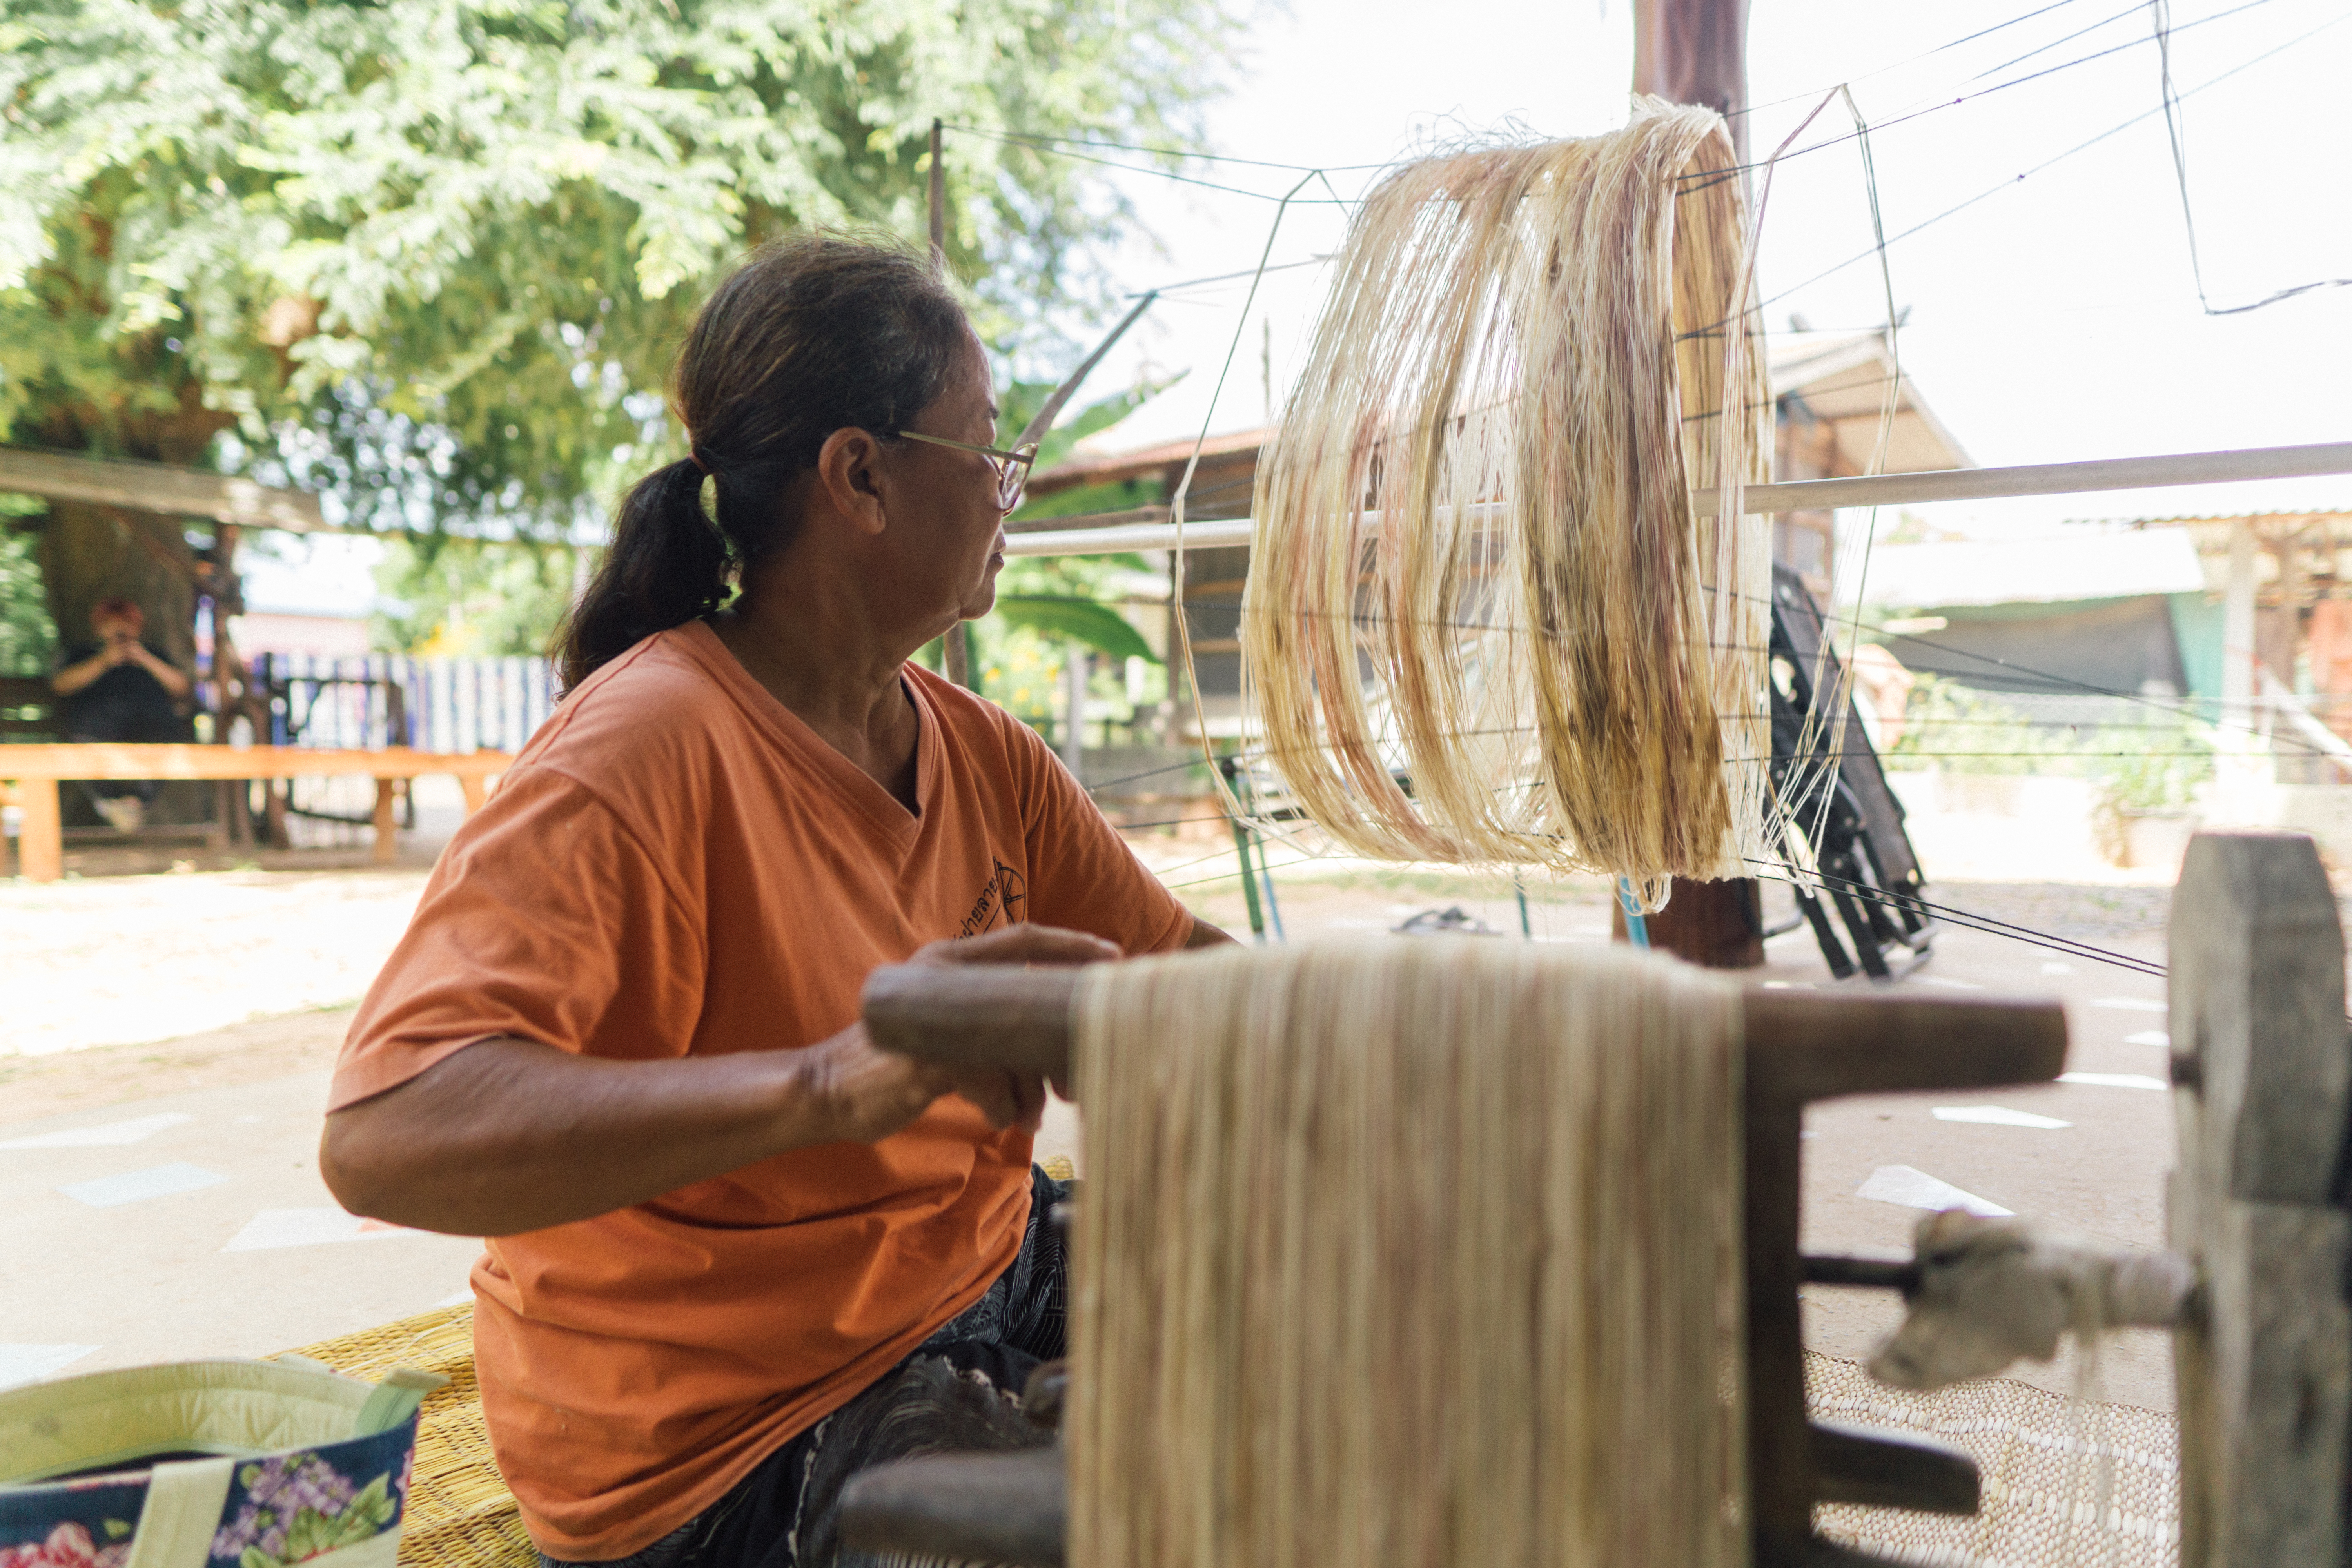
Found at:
[219, 1464]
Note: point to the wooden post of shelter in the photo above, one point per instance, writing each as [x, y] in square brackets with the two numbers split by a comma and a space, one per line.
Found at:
[1696, 51]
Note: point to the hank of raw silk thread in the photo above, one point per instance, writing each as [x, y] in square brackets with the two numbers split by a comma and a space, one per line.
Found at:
[1412, 1254]
[1478, 565]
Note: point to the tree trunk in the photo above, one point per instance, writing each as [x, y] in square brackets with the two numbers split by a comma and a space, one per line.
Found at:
[88, 553]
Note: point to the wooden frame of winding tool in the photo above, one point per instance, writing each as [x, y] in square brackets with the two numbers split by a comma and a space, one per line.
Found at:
[1801, 1047]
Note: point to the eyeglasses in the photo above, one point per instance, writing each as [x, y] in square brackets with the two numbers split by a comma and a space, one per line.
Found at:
[1012, 467]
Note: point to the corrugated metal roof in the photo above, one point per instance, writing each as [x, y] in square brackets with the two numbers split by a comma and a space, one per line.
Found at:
[2046, 569]
[2340, 514]
[1839, 377]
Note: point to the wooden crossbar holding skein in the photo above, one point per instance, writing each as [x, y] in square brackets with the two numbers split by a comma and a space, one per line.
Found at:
[1407, 1253]
[1481, 493]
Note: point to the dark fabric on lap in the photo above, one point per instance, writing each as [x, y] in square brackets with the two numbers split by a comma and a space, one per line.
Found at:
[958, 1391]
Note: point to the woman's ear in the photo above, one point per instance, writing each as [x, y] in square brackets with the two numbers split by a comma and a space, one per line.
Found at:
[849, 477]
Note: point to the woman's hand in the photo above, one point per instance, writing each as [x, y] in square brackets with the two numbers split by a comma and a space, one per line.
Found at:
[1011, 1099]
[859, 1093]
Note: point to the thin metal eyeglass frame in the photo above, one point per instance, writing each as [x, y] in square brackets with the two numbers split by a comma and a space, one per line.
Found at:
[1012, 467]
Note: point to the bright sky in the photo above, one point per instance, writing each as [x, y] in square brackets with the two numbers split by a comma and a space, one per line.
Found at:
[2055, 319]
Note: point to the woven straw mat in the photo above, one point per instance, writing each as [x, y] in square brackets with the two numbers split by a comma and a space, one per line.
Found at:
[2028, 1443]
[2040, 1489]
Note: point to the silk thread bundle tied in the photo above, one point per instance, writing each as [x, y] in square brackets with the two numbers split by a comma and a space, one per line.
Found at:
[1407, 1253]
[1477, 565]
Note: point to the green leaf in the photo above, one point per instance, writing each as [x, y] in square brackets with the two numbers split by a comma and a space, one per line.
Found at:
[1080, 620]
[433, 257]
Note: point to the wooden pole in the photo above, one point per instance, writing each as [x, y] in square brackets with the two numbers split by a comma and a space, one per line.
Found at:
[1696, 51]
[1804, 1044]
[938, 203]
[955, 648]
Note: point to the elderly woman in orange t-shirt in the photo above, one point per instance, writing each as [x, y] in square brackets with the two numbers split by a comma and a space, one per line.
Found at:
[736, 1252]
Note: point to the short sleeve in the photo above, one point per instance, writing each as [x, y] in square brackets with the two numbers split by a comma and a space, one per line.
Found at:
[1085, 876]
[548, 919]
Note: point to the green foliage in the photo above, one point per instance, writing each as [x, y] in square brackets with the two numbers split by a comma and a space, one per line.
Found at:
[437, 253]
[1095, 625]
[28, 641]
[2153, 766]
[2152, 761]
[1963, 730]
[459, 599]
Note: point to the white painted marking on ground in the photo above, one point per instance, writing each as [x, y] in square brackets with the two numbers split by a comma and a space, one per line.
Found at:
[1947, 982]
[308, 1227]
[2148, 1038]
[30, 1363]
[137, 1186]
[1919, 1190]
[2133, 1005]
[1997, 1116]
[106, 1135]
[2055, 968]
[2115, 1080]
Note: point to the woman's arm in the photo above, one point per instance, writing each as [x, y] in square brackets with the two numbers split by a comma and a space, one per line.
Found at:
[510, 1135]
[73, 678]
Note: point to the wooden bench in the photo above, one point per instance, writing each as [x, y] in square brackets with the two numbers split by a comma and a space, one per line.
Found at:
[37, 772]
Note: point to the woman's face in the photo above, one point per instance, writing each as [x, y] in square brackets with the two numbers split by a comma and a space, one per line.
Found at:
[956, 530]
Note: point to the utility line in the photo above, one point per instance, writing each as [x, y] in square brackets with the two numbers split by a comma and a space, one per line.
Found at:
[2049, 162]
[1710, 176]
[1898, 65]
[1058, 143]
[2162, 12]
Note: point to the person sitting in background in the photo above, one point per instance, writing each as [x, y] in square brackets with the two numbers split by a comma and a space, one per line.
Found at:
[118, 689]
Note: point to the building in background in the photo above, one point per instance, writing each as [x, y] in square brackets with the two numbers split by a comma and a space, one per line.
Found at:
[2094, 608]
[1829, 407]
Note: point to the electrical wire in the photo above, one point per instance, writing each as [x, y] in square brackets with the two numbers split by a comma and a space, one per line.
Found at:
[1709, 175]
[2162, 12]
[1057, 142]
[2112, 130]
[1898, 65]
[1988, 924]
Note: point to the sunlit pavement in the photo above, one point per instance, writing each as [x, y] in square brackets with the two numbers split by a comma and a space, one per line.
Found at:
[192, 1223]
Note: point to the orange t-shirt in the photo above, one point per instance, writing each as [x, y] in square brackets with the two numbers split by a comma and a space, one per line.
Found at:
[677, 865]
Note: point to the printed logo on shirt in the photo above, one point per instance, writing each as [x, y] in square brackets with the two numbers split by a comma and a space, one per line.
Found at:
[1001, 902]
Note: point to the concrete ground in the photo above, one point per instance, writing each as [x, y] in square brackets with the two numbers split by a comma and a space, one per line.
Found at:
[163, 1200]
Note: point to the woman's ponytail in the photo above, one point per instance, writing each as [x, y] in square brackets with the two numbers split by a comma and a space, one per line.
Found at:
[666, 565]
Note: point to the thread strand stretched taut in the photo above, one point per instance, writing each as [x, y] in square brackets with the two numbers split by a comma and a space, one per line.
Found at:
[1410, 1254]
